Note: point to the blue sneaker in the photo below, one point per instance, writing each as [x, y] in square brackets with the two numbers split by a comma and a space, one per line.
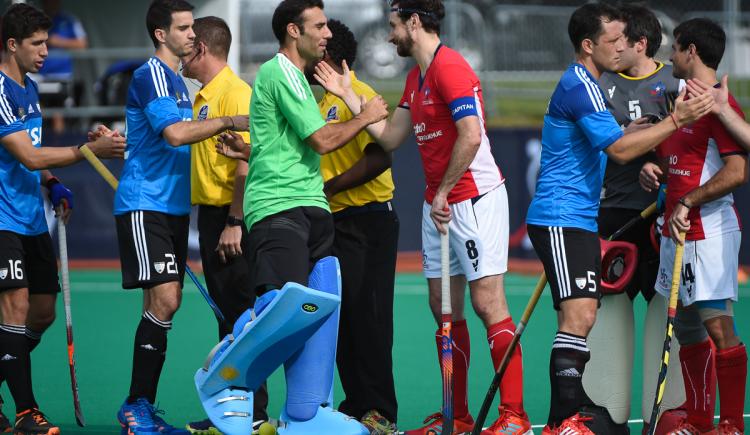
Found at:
[137, 418]
[162, 427]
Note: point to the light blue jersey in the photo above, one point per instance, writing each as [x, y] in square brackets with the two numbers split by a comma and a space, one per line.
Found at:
[21, 203]
[156, 175]
[577, 128]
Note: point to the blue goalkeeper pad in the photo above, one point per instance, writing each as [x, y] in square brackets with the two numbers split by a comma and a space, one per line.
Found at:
[288, 321]
[310, 371]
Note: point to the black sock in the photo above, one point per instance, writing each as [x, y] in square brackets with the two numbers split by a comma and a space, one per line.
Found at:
[15, 365]
[149, 352]
[567, 362]
[33, 338]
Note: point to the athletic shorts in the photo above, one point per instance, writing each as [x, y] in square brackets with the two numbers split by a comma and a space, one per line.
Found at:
[153, 248]
[28, 262]
[571, 259]
[285, 246]
[709, 268]
[478, 237]
[612, 219]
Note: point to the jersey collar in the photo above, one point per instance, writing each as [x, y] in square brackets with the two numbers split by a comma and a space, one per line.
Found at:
[659, 66]
[212, 87]
[434, 56]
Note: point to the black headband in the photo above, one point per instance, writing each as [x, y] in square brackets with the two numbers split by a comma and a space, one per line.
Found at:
[412, 11]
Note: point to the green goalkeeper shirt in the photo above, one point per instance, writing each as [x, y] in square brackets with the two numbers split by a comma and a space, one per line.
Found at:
[284, 172]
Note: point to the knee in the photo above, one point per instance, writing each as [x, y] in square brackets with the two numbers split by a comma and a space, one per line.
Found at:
[722, 335]
[164, 306]
[579, 322]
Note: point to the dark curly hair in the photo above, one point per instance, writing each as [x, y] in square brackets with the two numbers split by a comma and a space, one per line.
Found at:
[20, 21]
[430, 12]
[343, 45]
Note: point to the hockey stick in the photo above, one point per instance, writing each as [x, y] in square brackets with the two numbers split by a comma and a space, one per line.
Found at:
[446, 339]
[110, 178]
[671, 312]
[521, 325]
[63, 242]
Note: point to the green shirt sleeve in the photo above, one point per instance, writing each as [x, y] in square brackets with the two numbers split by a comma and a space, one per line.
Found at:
[297, 103]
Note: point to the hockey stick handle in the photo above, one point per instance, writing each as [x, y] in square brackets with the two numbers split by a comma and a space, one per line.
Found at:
[648, 211]
[110, 178]
[671, 313]
[62, 241]
[446, 313]
[520, 327]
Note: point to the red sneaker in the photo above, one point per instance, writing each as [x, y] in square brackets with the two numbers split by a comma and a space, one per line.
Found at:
[572, 425]
[434, 425]
[509, 423]
[726, 427]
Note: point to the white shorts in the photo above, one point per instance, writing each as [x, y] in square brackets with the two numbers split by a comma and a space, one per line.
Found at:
[478, 237]
[709, 268]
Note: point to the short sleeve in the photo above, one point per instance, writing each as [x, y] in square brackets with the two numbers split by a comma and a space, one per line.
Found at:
[585, 99]
[9, 123]
[162, 112]
[296, 102]
[237, 102]
[458, 86]
[600, 129]
[725, 143]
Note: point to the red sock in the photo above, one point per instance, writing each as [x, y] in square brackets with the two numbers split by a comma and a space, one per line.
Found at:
[731, 369]
[461, 357]
[499, 337]
[699, 374]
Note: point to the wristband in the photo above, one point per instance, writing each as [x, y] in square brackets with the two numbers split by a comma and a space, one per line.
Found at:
[51, 181]
[233, 221]
[674, 119]
[682, 201]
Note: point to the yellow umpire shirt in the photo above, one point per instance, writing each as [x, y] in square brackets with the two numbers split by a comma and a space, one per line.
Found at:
[211, 174]
[379, 189]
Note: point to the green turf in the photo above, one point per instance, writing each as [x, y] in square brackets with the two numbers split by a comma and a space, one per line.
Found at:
[105, 318]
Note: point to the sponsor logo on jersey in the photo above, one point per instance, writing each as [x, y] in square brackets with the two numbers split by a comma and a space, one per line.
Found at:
[419, 128]
[31, 109]
[333, 114]
[581, 283]
[427, 99]
[203, 112]
[658, 89]
[21, 112]
[429, 136]
[411, 97]
[612, 91]
[3, 273]
[159, 266]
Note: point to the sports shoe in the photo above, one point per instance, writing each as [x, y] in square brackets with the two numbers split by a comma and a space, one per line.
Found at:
[137, 418]
[162, 426]
[726, 427]
[206, 427]
[377, 424]
[434, 425]
[572, 425]
[33, 422]
[509, 423]
[669, 420]
[203, 427]
[5, 426]
[686, 428]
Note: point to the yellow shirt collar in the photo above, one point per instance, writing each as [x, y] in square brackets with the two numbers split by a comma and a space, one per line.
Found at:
[216, 83]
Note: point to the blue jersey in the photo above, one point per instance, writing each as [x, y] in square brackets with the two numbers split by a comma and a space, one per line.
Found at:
[21, 204]
[156, 175]
[59, 64]
[577, 128]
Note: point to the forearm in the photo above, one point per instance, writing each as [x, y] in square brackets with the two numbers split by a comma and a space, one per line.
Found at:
[463, 154]
[737, 126]
[331, 137]
[235, 209]
[724, 182]
[365, 169]
[377, 129]
[189, 132]
[50, 157]
[635, 144]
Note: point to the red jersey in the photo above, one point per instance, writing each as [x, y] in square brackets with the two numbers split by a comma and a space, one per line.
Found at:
[448, 92]
[695, 155]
